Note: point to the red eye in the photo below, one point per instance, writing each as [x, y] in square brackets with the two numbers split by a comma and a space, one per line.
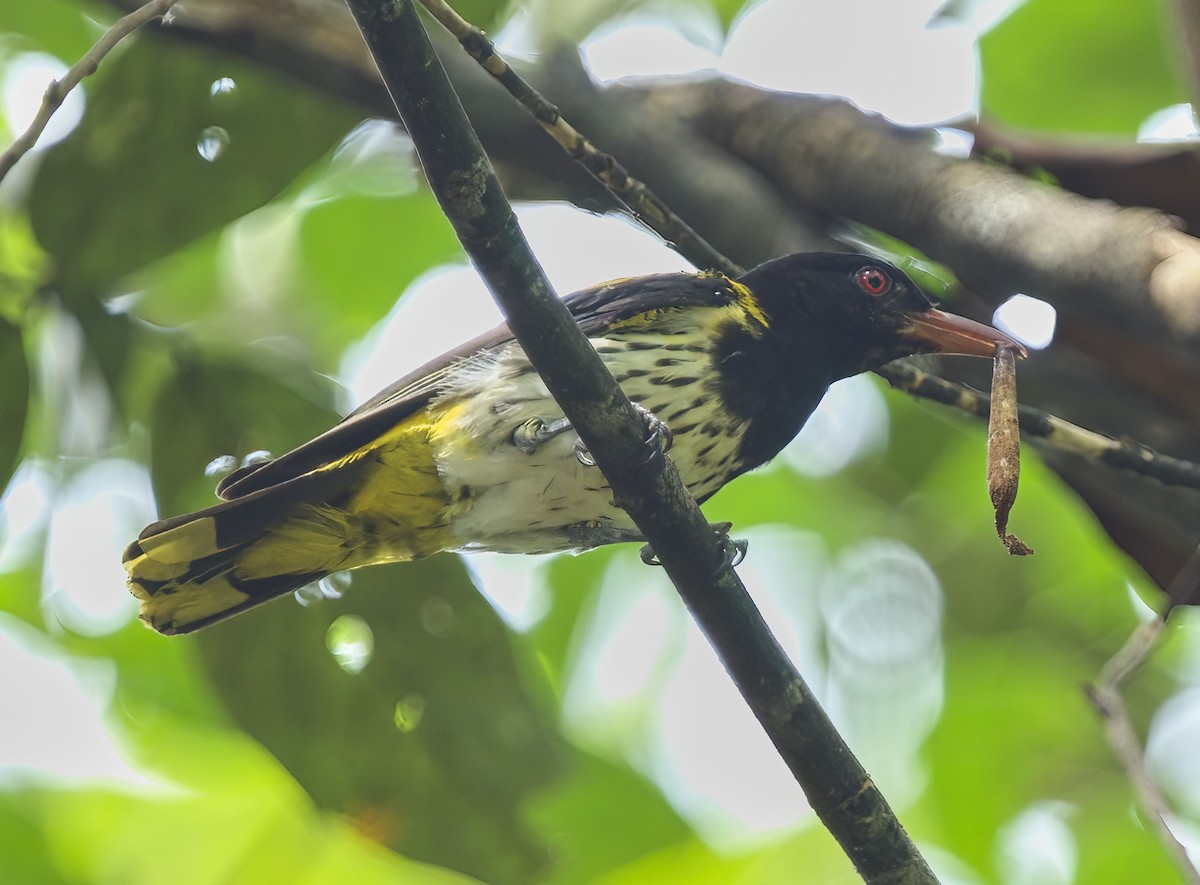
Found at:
[873, 280]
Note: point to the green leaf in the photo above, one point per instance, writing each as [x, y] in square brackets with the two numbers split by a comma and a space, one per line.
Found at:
[129, 185]
[1063, 66]
[207, 409]
[728, 10]
[603, 817]
[61, 28]
[23, 266]
[432, 746]
[485, 14]
[554, 634]
[240, 821]
[184, 287]
[1043, 744]
[358, 254]
[21, 594]
[14, 404]
[26, 857]
[351, 234]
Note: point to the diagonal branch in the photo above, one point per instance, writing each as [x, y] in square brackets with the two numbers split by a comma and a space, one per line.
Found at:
[649, 490]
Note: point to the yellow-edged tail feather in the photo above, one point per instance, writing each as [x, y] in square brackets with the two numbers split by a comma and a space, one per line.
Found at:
[384, 504]
[200, 568]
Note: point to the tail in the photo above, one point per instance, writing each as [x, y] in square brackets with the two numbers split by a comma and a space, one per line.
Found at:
[194, 570]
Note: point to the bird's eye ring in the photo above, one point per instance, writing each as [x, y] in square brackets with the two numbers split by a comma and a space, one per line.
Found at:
[873, 280]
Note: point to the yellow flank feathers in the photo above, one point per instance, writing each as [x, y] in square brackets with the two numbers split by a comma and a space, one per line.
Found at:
[403, 491]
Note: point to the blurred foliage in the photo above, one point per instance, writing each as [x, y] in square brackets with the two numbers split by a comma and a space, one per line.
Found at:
[14, 369]
[1062, 66]
[210, 408]
[435, 727]
[213, 296]
[728, 10]
[139, 144]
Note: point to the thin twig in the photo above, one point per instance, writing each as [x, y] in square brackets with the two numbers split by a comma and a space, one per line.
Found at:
[1105, 695]
[58, 90]
[649, 489]
[1124, 454]
[641, 202]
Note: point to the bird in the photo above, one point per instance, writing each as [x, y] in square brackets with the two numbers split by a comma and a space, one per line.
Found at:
[471, 452]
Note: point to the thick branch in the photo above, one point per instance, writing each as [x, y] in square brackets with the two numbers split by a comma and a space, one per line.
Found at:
[1009, 235]
[650, 490]
[1161, 176]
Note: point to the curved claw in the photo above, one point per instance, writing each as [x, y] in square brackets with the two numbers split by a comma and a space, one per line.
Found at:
[529, 435]
[734, 549]
[648, 556]
[659, 437]
[582, 455]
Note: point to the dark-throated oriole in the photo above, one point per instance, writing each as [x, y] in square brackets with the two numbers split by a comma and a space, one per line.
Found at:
[470, 452]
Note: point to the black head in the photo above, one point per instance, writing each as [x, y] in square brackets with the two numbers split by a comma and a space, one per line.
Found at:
[853, 313]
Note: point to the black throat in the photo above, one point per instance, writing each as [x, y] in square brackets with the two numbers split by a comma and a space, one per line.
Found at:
[774, 382]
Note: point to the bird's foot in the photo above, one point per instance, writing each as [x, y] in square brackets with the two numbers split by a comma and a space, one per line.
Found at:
[733, 549]
[582, 455]
[530, 435]
[659, 438]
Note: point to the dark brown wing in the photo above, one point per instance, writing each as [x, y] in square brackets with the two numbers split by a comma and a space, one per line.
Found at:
[372, 419]
[595, 310]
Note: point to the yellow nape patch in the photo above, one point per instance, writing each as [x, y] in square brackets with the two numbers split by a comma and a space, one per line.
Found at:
[749, 304]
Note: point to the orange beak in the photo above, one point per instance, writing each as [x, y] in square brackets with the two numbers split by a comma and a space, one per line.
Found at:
[946, 333]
